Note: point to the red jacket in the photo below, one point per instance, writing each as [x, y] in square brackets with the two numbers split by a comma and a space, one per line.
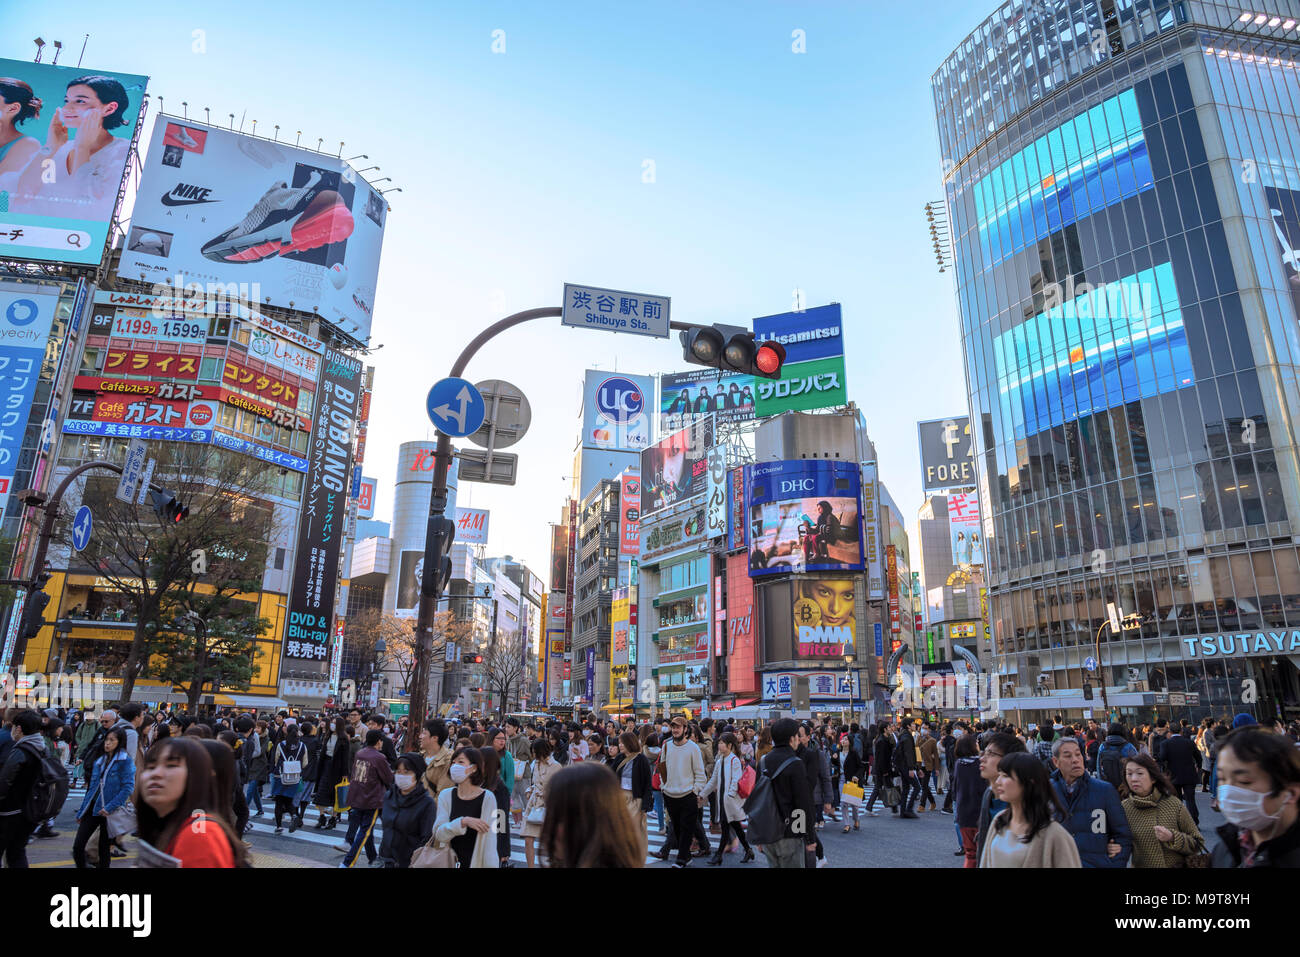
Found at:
[370, 781]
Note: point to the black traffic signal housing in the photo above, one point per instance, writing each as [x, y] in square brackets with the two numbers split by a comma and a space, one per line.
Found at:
[732, 349]
[34, 612]
[168, 507]
[437, 555]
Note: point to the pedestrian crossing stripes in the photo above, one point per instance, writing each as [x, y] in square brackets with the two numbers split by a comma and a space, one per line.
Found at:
[310, 835]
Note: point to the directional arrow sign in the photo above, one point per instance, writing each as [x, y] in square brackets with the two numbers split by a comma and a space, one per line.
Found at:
[456, 407]
[81, 527]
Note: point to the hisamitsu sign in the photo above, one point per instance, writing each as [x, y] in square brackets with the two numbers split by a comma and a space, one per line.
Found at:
[592, 307]
[1250, 645]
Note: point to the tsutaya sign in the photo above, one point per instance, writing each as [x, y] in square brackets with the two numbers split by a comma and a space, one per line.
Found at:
[1248, 645]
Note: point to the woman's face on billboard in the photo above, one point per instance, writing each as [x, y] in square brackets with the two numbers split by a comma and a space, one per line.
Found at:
[835, 599]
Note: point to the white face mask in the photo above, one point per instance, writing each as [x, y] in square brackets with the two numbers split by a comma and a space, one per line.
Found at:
[459, 772]
[1245, 808]
[653, 750]
[404, 781]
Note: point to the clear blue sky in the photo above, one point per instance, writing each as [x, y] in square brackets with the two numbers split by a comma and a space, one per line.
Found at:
[523, 170]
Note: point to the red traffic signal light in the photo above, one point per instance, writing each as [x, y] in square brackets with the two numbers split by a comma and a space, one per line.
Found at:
[769, 359]
[732, 349]
[478, 659]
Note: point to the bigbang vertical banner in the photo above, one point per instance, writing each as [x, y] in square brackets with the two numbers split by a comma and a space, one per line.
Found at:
[322, 518]
[243, 210]
[26, 317]
[629, 510]
[61, 172]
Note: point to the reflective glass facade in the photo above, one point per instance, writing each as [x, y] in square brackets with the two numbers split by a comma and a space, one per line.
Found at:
[1124, 195]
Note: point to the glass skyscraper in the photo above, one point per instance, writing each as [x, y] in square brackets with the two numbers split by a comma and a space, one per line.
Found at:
[1124, 196]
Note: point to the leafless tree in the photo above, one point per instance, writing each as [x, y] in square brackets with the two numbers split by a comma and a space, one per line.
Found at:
[151, 563]
[504, 666]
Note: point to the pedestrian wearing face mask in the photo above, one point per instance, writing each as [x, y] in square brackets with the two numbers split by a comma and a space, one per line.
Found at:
[408, 814]
[1258, 790]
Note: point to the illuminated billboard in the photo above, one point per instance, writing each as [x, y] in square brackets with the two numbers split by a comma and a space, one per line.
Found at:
[813, 375]
[964, 529]
[616, 411]
[685, 397]
[676, 467]
[825, 618]
[61, 171]
[299, 226]
[804, 515]
[629, 515]
[1103, 347]
[1092, 161]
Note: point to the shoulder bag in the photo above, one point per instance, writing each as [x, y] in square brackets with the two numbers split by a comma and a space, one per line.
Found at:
[434, 854]
[121, 820]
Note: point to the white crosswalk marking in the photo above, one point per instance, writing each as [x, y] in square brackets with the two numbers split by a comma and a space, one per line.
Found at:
[310, 835]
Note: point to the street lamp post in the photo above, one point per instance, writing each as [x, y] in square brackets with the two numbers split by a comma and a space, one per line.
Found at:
[1133, 619]
[849, 658]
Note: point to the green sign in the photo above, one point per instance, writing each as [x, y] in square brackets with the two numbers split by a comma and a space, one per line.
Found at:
[929, 647]
[816, 384]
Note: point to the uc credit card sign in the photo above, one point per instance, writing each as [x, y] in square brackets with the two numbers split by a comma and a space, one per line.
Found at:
[613, 310]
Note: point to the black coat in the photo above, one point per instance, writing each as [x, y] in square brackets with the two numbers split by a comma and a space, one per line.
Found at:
[408, 824]
[883, 769]
[311, 771]
[1282, 851]
[853, 766]
[641, 774]
[1183, 759]
[332, 771]
[905, 753]
[790, 787]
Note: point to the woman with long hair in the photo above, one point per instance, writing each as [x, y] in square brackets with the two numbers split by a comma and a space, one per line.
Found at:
[544, 766]
[634, 773]
[335, 763]
[1164, 834]
[176, 806]
[18, 103]
[724, 784]
[112, 778]
[653, 749]
[492, 781]
[587, 824]
[1026, 834]
[467, 813]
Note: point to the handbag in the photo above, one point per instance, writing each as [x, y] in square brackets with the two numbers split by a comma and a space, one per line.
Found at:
[535, 815]
[852, 794]
[121, 820]
[341, 797]
[891, 795]
[434, 854]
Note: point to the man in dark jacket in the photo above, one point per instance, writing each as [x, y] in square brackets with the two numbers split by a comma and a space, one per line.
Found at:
[1094, 815]
[882, 766]
[905, 766]
[371, 777]
[818, 782]
[793, 797]
[1183, 761]
[375, 723]
[17, 777]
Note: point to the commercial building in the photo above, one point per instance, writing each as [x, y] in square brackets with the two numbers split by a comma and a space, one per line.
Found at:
[597, 575]
[1123, 200]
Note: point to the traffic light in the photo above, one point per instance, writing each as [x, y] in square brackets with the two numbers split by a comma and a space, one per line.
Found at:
[732, 349]
[168, 507]
[34, 613]
[437, 555]
[478, 659]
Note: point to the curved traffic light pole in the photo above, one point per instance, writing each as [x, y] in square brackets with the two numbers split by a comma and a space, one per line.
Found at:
[419, 690]
[51, 508]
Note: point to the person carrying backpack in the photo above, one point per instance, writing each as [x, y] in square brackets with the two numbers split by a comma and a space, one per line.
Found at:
[33, 786]
[780, 807]
[290, 757]
[1043, 749]
[1112, 754]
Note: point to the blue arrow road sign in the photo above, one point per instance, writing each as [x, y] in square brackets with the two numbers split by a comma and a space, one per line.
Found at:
[1090, 663]
[81, 527]
[456, 408]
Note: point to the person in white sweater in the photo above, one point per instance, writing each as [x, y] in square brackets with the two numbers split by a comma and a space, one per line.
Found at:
[683, 778]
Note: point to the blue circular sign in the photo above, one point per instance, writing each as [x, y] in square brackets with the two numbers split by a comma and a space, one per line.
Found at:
[619, 400]
[1090, 663]
[456, 407]
[82, 526]
[29, 312]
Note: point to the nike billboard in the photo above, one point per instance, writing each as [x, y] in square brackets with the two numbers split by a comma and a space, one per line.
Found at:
[295, 228]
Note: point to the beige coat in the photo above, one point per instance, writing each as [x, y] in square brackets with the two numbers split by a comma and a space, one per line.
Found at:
[542, 771]
[726, 781]
[1051, 847]
[437, 772]
[485, 845]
